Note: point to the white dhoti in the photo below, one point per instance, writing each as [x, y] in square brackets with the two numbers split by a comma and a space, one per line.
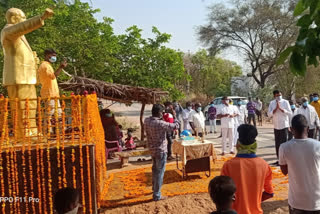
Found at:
[227, 139]
[235, 134]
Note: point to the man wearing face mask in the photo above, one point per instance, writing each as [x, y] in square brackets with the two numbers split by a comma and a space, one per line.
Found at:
[48, 81]
[197, 121]
[311, 115]
[280, 112]
[227, 113]
[48, 77]
[185, 116]
[316, 104]
[212, 112]
[240, 119]
[294, 111]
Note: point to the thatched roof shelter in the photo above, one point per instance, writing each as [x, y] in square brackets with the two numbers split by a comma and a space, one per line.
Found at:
[114, 92]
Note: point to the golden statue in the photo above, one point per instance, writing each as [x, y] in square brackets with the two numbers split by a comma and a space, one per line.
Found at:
[19, 71]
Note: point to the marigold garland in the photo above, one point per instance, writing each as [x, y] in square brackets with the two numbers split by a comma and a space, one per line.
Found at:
[25, 132]
[3, 131]
[129, 187]
[10, 166]
[81, 156]
[57, 130]
[30, 153]
[38, 153]
[15, 127]
[86, 129]
[64, 171]
[74, 116]
[49, 163]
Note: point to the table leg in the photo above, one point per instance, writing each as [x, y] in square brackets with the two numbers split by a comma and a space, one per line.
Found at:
[124, 161]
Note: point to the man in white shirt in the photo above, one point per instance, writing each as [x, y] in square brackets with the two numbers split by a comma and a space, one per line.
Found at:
[280, 111]
[227, 113]
[197, 120]
[294, 112]
[259, 110]
[300, 158]
[185, 116]
[240, 119]
[312, 117]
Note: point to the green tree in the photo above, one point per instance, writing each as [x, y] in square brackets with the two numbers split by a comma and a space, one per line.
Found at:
[260, 30]
[211, 75]
[94, 51]
[307, 46]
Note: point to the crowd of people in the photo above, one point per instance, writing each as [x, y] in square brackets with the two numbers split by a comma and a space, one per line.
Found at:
[246, 180]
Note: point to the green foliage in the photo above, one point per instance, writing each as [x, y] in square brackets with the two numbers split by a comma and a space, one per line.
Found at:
[260, 30]
[307, 47]
[94, 51]
[211, 75]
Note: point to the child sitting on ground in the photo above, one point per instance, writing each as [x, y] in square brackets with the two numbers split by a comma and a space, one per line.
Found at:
[66, 201]
[129, 140]
[222, 192]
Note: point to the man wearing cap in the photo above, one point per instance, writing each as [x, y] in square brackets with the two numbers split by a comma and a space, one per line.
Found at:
[311, 115]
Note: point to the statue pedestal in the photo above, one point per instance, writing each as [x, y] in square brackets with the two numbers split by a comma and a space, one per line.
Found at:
[39, 198]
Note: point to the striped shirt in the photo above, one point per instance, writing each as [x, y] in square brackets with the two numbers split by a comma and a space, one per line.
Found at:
[156, 130]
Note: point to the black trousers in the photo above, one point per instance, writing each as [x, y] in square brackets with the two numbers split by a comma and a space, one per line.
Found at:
[311, 133]
[296, 211]
[253, 118]
[280, 136]
[169, 146]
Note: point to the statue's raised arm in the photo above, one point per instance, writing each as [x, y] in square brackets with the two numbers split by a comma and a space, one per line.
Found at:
[19, 71]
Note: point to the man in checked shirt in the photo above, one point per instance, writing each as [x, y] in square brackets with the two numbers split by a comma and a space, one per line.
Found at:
[156, 129]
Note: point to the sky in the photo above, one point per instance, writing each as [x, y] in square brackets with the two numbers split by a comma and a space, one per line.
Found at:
[180, 18]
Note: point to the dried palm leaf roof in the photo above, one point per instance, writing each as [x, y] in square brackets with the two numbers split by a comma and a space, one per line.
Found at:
[112, 91]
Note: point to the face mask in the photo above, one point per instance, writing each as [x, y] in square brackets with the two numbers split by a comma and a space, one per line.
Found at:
[74, 211]
[199, 109]
[189, 108]
[109, 115]
[293, 107]
[53, 59]
[212, 105]
[315, 99]
[227, 101]
[305, 104]
[279, 98]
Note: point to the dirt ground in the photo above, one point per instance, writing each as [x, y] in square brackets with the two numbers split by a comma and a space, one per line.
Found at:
[190, 204]
[186, 204]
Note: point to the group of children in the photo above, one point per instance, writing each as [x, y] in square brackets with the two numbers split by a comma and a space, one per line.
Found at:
[128, 142]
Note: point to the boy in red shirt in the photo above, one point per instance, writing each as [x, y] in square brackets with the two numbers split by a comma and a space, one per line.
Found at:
[251, 174]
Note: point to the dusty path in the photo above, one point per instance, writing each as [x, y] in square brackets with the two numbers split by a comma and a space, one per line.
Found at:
[193, 203]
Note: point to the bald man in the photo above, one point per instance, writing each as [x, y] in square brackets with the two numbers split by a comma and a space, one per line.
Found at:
[19, 71]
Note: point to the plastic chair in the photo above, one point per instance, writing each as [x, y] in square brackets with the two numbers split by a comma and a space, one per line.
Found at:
[115, 148]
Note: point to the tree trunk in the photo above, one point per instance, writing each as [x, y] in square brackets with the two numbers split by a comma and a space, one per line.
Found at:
[141, 121]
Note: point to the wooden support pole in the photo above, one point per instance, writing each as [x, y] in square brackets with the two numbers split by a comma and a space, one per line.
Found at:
[141, 121]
